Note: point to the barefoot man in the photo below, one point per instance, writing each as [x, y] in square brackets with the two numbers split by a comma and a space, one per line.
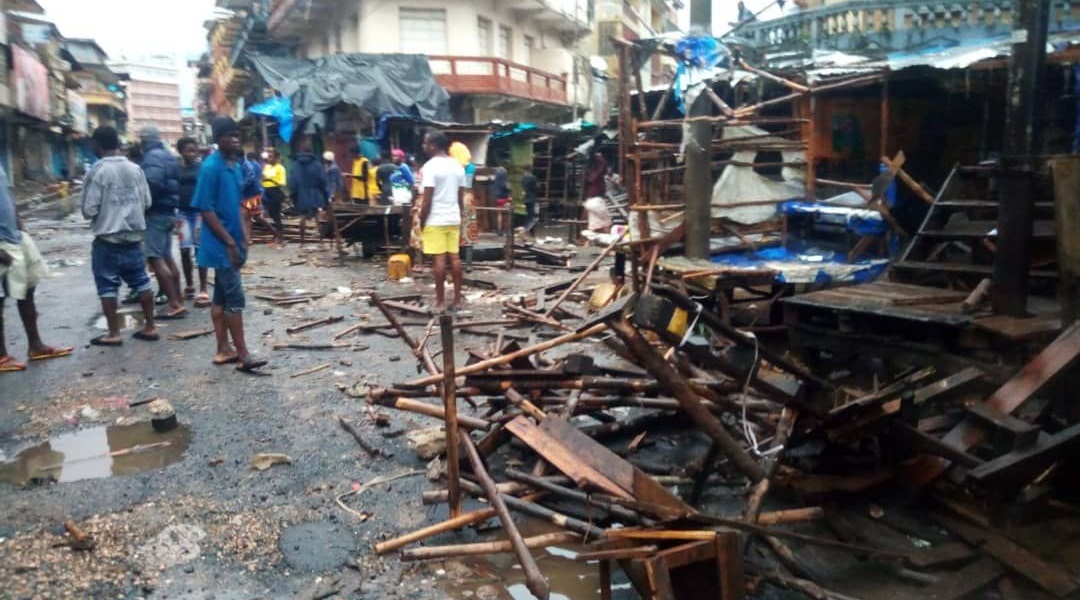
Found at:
[440, 219]
[224, 245]
[115, 199]
[21, 268]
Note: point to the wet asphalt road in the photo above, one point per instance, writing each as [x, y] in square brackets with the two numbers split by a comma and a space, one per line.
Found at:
[242, 515]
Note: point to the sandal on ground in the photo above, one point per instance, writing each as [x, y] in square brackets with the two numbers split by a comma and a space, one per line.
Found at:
[8, 364]
[102, 341]
[228, 361]
[251, 365]
[202, 300]
[173, 316]
[146, 337]
[189, 293]
[51, 352]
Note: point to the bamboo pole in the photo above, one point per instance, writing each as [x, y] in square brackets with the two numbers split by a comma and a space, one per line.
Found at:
[502, 547]
[430, 410]
[588, 271]
[449, 392]
[508, 358]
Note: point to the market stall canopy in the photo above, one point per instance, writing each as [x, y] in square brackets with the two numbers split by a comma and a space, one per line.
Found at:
[400, 84]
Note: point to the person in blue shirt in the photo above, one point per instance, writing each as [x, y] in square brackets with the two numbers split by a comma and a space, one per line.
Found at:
[224, 244]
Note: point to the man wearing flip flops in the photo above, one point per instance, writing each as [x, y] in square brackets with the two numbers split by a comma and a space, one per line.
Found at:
[224, 243]
[21, 268]
[115, 199]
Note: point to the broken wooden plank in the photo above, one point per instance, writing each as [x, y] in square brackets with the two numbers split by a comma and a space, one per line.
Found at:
[321, 367]
[313, 324]
[485, 548]
[1019, 467]
[1023, 562]
[970, 579]
[190, 335]
[1019, 432]
[562, 457]
[1044, 369]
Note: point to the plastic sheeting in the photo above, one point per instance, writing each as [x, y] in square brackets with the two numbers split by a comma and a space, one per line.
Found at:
[740, 184]
[279, 109]
[400, 84]
[811, 265]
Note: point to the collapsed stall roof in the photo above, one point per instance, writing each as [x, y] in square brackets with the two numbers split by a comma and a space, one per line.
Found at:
[377, 83]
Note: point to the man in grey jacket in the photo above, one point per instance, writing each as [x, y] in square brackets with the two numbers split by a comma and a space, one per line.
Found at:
[115, 199]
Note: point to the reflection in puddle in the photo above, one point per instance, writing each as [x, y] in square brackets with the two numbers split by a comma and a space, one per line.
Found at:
[569, 580]
[128, 320]
[97, 452]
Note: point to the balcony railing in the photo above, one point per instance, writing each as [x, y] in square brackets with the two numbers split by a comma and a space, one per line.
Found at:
[483, 75]
[103, 98]
[868, 25]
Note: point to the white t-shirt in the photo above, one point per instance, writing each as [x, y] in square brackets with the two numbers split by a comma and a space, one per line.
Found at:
[446, 176]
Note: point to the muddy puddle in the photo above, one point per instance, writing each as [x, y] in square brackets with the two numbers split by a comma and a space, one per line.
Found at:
[96, 453]
[499, 577]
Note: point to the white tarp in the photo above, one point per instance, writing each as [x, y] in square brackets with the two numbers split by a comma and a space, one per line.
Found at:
[741, 184]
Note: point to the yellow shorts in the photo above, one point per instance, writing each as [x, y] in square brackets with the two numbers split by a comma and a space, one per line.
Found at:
[441, 239]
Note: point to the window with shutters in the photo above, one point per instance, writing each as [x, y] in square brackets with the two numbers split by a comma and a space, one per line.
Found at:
[483, 28]
[422, 31]
[503, 49]
[530, 44]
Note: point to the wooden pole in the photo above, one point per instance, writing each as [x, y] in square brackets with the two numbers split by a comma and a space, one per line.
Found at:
[698, 182]
[885, 115]
[430, 410]
[424, 356]
[1066, 175]
[484, 548]
[453, 476]
[592, 267]
[508, 251]
[688, 400]
[534, 580]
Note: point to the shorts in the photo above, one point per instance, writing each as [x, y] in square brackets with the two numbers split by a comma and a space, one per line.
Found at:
[159, 230]
[190, 229]
[502, 202]
[27, 268]
[229, 290]
[116, 263]
[441, 239]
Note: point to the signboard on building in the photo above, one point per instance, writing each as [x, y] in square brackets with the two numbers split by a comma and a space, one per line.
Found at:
[77, 110]
[31, 82]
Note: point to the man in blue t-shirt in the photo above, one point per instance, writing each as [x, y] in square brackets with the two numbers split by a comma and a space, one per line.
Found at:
[224, 244]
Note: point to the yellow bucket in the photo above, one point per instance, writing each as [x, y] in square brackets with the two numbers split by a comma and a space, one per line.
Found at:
[398, 267]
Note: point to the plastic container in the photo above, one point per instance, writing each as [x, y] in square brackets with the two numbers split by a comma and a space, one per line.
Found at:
[398, 267]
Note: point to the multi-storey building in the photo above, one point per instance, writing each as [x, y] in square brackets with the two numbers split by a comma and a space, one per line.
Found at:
[516, 60]
[153, 94]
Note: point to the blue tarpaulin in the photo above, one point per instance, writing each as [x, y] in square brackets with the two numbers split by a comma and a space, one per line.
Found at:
[810, 265]
[278, 108]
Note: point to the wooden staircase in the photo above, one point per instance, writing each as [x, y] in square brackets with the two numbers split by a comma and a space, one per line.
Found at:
[955, 245]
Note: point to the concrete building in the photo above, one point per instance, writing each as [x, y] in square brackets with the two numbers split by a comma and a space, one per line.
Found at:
[153, 94]
[510, 60]
[99, 85]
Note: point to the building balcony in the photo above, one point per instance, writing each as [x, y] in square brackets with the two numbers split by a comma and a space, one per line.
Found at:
[894, 25]
[567, 16]
[309, 14]
[495, 76]
[103, 98]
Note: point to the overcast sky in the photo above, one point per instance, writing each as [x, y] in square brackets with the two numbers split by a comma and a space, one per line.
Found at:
[137, 27]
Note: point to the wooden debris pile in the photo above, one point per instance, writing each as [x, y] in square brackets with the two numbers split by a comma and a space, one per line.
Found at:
[825, 471]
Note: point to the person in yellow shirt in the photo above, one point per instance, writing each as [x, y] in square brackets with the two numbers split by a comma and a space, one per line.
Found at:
[274, 181]
[364, 187]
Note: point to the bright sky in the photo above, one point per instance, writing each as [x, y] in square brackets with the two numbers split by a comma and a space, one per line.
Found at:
[137, 27]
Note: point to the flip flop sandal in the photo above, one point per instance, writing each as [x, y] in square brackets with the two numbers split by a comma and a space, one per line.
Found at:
[101, 341]
[52, 353]
[202, 301]
[10, 365]
[146, 337]
[228, 361]
[176, 316]
[251, 366]
[189, 293]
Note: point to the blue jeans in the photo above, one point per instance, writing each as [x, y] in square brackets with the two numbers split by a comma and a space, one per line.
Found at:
[159, 234]
[229, 290]
[193, 218]
[114, 264]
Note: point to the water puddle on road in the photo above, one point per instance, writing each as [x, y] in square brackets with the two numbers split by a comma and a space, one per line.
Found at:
[128, 320]
[498, 577]
[96, 453]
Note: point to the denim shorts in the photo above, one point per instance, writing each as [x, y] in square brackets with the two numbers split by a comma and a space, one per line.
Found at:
[159, 234]
[114, 264]
[192, 225]
[229, 290]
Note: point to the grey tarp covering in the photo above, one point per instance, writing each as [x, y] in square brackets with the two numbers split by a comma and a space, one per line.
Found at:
[400, 84]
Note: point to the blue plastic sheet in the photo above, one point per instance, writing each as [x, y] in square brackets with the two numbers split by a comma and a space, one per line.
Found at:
[697, 52]
[806, 265]
[278, 108]
[858, 221]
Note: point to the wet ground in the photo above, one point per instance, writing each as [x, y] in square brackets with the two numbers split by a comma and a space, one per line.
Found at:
[183, 514]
